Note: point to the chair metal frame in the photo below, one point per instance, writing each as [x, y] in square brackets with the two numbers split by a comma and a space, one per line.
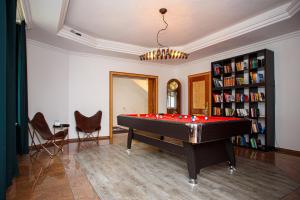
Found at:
[32, 136]
[87, 136]
[52, 141]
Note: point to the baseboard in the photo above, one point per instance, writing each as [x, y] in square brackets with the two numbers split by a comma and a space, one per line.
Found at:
[88, 139]
[288, 151]
[74, 140]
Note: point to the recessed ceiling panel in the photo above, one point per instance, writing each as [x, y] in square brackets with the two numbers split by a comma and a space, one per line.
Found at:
[137, 21]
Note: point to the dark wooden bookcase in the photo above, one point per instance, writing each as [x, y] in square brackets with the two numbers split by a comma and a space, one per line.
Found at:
[244, 86]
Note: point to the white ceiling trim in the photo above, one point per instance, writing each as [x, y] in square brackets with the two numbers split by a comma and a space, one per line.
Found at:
[270, 17]
[19, 12]
[76, 53]
[245, 49]
[25, 6]
[294, 7]
[63, 13]
[100, 43]
[260, 21]
[46, 46]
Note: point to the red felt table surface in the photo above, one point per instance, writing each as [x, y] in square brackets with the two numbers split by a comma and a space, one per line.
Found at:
[183, 119]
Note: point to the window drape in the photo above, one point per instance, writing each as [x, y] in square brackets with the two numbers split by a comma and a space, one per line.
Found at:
[22, 92]
[13, 93]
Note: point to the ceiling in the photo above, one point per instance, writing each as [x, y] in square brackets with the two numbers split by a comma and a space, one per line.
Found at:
[127, 28]
[137, 22]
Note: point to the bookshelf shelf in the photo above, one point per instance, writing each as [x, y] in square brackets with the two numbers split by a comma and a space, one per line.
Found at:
[257, 85]
[247, 81]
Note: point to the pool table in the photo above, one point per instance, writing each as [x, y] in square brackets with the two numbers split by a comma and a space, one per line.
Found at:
[205, 140]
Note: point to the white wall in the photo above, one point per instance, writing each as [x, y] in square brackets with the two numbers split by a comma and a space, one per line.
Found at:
[61, 82]
[287, 81]
[48, 79]
[89, 84]
[130, 95]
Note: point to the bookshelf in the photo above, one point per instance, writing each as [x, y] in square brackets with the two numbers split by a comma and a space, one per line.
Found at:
[244, 87]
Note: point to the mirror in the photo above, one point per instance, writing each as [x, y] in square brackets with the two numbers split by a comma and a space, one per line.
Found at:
[173, 96]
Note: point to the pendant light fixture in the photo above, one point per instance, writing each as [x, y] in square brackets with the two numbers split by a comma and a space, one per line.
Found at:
[163, 52]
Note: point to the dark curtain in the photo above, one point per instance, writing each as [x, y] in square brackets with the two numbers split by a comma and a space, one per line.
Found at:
[2, 98]
[11, 92]
[22, 97]
[8, 95]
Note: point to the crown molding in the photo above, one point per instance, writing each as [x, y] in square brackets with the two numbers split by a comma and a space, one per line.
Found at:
[63, 13]
[270, 17]
[97, 43]
[294, 7]
[46, 46]
[19, 13]
[267, 18]
[243, 49]
[91, 55]
[25, 6]
[99, 56]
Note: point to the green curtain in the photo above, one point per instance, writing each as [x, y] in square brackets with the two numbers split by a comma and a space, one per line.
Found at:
[8, 94]
[11, 92]
[22, 96]
[2, 98]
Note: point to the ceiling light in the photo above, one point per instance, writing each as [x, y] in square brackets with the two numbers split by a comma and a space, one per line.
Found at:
[163, 52]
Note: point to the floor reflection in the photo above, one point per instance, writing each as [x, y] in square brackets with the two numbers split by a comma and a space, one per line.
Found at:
[62, 177]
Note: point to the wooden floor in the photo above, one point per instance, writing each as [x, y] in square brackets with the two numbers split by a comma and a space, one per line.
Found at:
[62, 178]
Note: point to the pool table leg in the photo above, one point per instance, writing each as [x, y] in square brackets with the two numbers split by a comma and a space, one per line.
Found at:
[129, 138]
[190, 154]
[230, 153]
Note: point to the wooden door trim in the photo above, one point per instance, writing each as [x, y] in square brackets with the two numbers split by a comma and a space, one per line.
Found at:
[189, 90]
[128, 75]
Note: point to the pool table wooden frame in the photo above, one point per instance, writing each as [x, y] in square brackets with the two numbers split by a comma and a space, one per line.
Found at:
[204, 144]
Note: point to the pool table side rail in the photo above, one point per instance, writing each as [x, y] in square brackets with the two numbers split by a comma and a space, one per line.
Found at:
[210, 131]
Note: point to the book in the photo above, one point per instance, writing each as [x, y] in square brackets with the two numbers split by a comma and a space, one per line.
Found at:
[246, 136]
[242, 112]
[229, 81]
[241, 97]
[254, 128]
[218, 82]
[257, 96]
[217, 69]
[254, 112]
[253, 143]
[239, 66]
[227, 69]
[260, 78]
[229, 112]
[240, 81]
[228, 97]
[253, 63]
[253, 77]
[218, 98]
[217, 111]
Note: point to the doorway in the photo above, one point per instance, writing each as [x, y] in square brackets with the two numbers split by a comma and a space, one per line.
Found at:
[131, 86]
[199, 94]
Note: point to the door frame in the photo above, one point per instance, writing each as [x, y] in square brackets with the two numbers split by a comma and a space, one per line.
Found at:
[128, 75]
[189, 90]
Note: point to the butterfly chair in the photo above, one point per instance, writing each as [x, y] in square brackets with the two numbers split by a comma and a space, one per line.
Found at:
[88, 125]
[42, 131]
